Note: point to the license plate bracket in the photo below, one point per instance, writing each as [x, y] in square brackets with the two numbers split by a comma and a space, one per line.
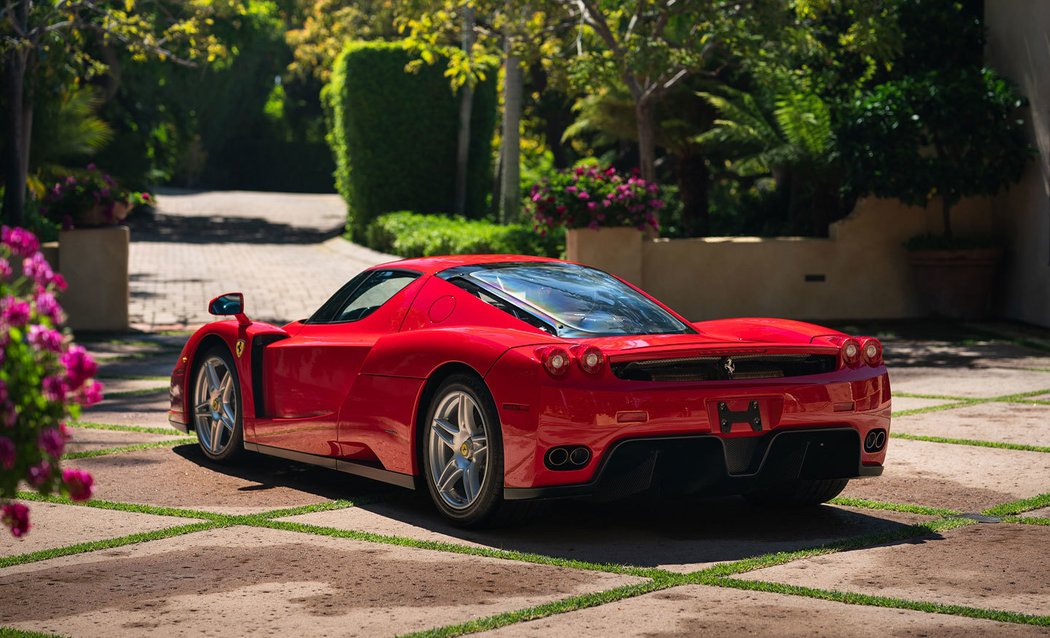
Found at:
[752, 416]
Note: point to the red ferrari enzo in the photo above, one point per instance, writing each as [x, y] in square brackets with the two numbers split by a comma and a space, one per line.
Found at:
[493, 379]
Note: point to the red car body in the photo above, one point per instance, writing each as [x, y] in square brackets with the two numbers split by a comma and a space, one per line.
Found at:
[352, 396]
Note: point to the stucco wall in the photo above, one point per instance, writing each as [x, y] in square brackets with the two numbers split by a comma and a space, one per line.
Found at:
[860, 271]
[1019, 48]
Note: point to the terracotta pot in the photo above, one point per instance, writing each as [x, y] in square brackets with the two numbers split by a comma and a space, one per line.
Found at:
[956, 283]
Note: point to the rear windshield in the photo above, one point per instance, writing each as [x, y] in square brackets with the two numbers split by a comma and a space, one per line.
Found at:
[574, 300]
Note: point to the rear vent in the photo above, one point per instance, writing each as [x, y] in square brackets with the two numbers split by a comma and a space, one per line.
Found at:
[745, 366]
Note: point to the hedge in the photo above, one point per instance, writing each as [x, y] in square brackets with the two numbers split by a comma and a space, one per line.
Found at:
[409, 234]
[394, 134]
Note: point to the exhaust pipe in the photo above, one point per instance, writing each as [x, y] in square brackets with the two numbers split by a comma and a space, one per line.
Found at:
[875, 441]
[567, 457]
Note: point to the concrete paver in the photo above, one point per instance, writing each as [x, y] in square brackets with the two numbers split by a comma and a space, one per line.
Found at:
[282, 251]
[55, 525]
[144, 410]
[1002, 422]
[989, 566]
[250, 580]
[900, 404]
[695, 610]
[182, 477]
[961, 477]
[967, 382]
[1039, 513]
[116, 386]
[677, 537]
[85, 439]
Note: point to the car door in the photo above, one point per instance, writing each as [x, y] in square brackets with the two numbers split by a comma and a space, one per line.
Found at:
[306, 377]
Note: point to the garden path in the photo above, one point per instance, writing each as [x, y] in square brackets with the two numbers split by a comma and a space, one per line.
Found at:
[282, 250]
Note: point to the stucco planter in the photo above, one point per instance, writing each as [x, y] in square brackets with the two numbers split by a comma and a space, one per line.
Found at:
[617, 251]
[94, 262]
[956, 283]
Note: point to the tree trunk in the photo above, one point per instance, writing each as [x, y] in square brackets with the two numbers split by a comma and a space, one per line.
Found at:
[643, 111]
[510, 188]
[16, 153]
[466, 103]
[693, 182]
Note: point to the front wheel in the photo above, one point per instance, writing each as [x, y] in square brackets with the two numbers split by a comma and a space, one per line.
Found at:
[463, 452]
[217, 406]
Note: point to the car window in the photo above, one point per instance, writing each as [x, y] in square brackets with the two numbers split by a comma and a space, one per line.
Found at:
[375, 291]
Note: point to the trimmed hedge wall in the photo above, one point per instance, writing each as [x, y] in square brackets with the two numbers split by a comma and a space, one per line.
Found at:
[408, 234]
[394, 134]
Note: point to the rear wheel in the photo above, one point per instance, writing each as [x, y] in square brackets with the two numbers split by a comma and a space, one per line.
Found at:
[217, 406]
[798, 493]
[463, 452]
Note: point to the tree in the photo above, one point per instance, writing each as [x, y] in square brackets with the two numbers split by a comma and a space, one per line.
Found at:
[947, 134]
[70, 34]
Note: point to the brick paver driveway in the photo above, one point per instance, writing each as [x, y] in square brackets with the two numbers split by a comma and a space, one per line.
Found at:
[282, 250]
[951, 541]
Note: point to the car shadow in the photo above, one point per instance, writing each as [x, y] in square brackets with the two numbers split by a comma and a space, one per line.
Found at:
[682, 534]
[219, 229]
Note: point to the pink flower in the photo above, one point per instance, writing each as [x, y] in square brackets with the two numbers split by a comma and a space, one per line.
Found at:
[54, 389]
[91, 166]
[15, 516]
[7, 453]
[79, 366]
[584, 195]
[79, 483]
[10, 415]
[90, 394]
[20, 241]
[67, 434]
[15, 312]
[47, 305]
[5, 268]
[145, 197]
[592, 205]
[52, 442]
[59, 282]
[43, 338]
[571, 189]
[39, 474]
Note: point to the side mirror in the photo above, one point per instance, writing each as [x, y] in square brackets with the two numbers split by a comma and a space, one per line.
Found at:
[232, 303]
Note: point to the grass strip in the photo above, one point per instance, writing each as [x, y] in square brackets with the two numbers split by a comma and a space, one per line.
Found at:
[453, 548]
[318, 507]
[86, 454]
[80, 548]
[1017, 507]
[130, 507]
[1024, 447]
[11, 632]
[565, 605]
[1027, 520]
[934, 408]
[893, 507]
[851, 598]
[940, 397]
[91, 425]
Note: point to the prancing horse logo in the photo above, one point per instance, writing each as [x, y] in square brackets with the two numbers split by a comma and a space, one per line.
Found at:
[240, 348]
[729, 366]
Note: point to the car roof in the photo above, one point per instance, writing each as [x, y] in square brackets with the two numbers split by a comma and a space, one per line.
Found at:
[431, 265]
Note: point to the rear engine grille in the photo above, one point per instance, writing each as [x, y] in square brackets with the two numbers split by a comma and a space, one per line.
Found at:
[732, 367]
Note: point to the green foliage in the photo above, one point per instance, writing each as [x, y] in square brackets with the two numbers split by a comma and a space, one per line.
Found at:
[414, 235]
[394, 134]
[953, 134]
[67, 127]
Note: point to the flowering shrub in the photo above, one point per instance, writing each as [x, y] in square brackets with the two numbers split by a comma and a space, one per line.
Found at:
[89, 198]
[44, 380]
[592, 197]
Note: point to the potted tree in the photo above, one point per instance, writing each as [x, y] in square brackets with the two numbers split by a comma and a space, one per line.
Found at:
[941, 135]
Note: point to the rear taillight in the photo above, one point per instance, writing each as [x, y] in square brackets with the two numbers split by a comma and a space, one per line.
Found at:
[555, 359]
[590, 359]
[871, 351]
[850, 350]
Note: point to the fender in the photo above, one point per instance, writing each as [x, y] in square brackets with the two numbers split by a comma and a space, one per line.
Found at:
[242, 341]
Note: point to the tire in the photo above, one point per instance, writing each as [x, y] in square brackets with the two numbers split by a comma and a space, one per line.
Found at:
[798, 493]
[216, 406]
[462, 450]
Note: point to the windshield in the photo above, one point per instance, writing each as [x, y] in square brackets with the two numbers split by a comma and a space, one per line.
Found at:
[577, 301]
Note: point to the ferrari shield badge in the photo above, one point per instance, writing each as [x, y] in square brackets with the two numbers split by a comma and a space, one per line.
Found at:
[240, 348]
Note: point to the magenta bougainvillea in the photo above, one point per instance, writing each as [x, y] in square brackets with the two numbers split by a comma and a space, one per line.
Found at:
[89, 197]
[595, 197]
[44, 380]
